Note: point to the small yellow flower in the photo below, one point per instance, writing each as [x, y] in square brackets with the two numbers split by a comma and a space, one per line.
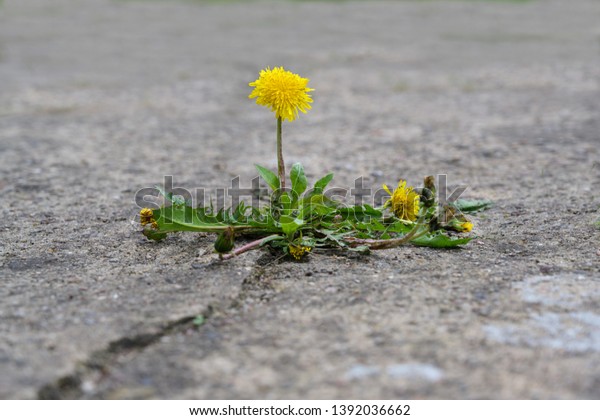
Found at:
[403, 201]
[146, 212]
[284, 92]
[466, 226]
[460, 224]
[298, 251]
[147, 217]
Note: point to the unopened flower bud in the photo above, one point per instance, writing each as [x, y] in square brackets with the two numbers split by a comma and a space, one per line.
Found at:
[427, 197]
[225, 240]
[429, 183]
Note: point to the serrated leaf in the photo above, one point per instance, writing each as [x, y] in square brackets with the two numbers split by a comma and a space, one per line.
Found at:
[270, 178]
[185, 218]
[471, 206]
[319, 205]
[360, 213]
[439, 240]
[299, 181]
[177, 200]
[322, 183]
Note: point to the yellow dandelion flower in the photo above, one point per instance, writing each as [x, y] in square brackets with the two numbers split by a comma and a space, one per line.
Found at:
[460, 224]
[147, 217]
[146, 212]
[403, 201]
[466, 226]
[298, 251]
[284, 92]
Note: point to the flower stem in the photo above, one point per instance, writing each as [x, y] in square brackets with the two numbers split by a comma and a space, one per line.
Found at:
[280, 163]
[248, 247]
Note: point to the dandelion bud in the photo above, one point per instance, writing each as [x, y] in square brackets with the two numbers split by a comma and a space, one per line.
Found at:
[224, 242]
[427, 197]
[429, 183]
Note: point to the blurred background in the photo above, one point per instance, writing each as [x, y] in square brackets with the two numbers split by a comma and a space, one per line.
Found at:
[384, 72]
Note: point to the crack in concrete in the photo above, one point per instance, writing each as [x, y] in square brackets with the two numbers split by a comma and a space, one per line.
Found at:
[71, 386]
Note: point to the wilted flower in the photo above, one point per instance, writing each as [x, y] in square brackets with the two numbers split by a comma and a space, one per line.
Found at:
[298, 251]
[147, 217]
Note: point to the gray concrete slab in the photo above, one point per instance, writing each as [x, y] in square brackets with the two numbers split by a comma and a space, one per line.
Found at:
[101, 98]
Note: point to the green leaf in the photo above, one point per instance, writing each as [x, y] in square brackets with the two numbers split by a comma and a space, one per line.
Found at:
[270, 178]
[177, 200]
[360, 213]
[399, 226]
[318, 204]
[286, 203]
[471, 206]
[361, 249]
[438, 239]
[185, 218]
[299, 181]
[322, 183]
[290, 224]
[271, 239]
[335, 238]
[199, 320]
[154, 235]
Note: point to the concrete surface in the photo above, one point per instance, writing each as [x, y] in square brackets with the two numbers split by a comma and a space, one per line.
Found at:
[101, 98]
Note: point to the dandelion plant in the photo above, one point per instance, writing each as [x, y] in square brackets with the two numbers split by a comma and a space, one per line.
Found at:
[299, 220]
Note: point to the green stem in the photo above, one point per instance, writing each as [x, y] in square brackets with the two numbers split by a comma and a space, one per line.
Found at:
[248, 247]
[280, 163]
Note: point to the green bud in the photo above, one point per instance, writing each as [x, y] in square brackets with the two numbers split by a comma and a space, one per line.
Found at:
[429, 183]
[224, 242]
[427, 197]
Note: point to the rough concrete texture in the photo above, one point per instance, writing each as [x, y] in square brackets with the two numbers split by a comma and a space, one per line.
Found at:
[101, 98]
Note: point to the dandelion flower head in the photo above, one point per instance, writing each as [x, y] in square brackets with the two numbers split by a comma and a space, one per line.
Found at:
[404, 201]
[147, 218]
[466, 226]
[298, 251]
[284, 92]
